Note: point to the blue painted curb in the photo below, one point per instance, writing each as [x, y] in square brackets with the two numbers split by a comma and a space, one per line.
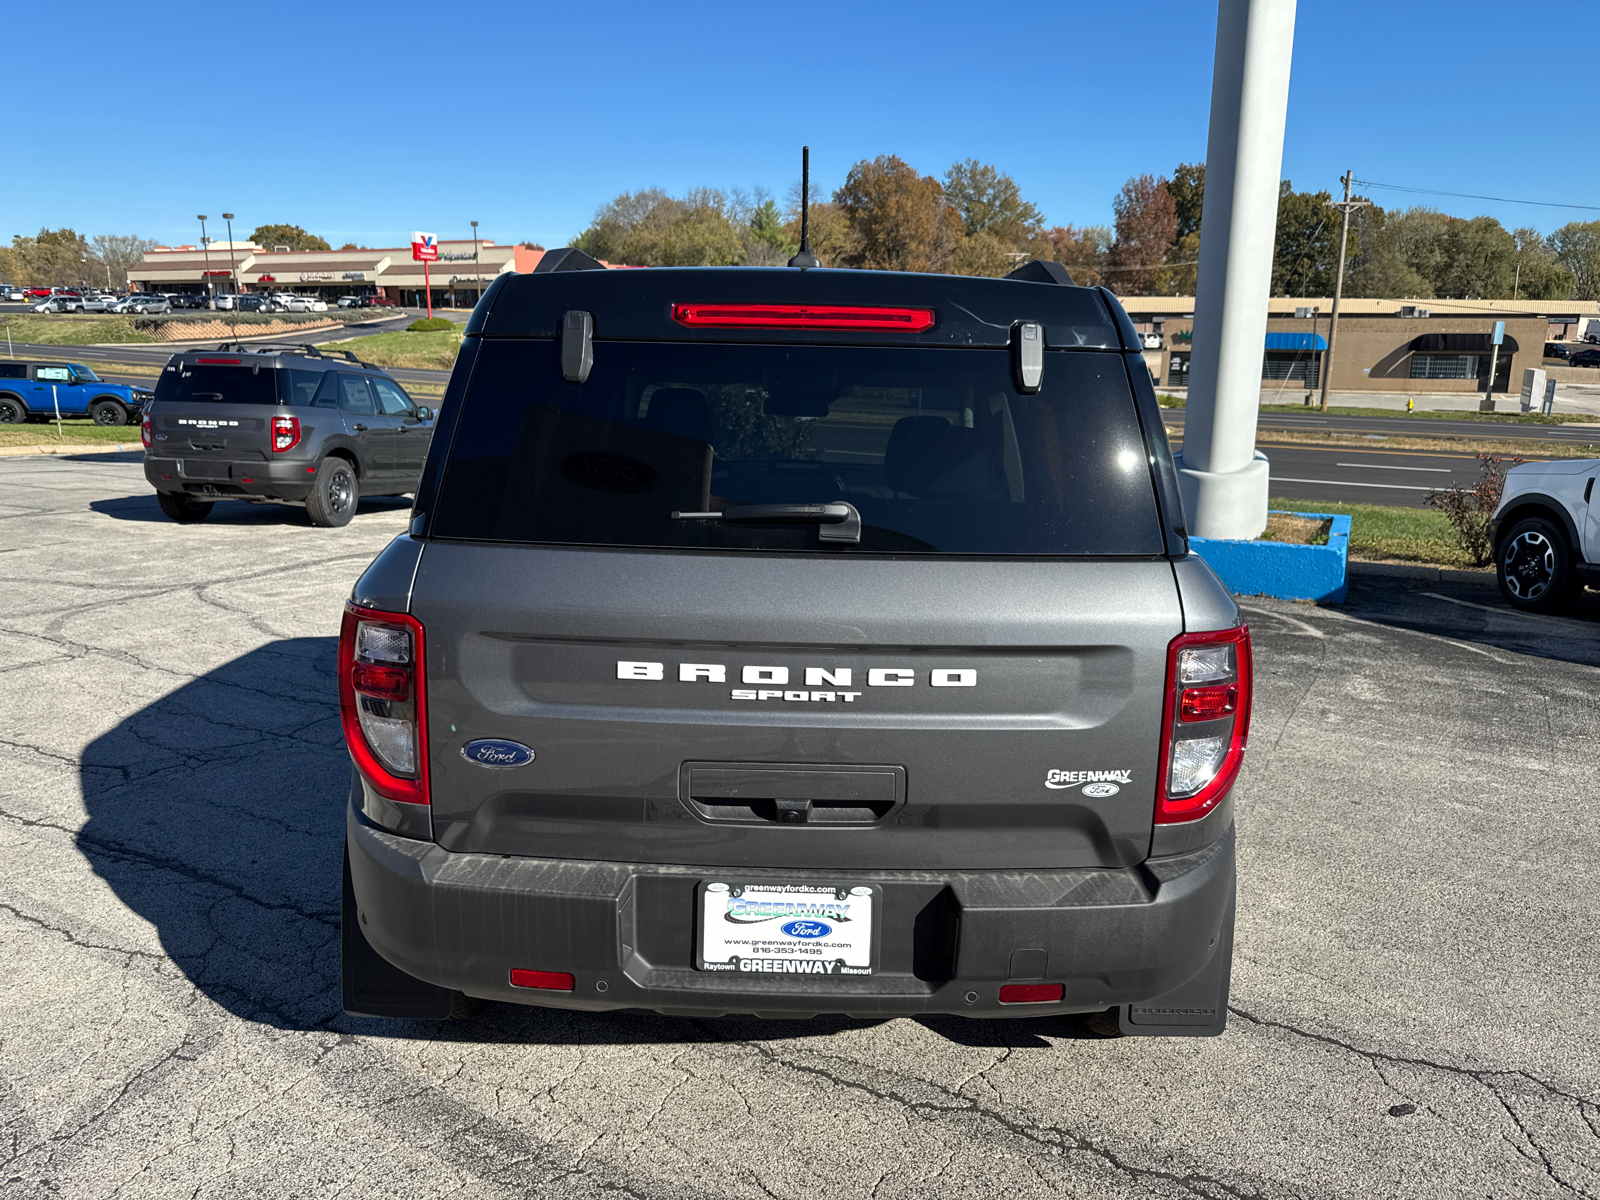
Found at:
[1279, 569]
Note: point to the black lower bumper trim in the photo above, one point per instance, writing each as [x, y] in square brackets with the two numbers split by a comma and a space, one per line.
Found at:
[950, 939]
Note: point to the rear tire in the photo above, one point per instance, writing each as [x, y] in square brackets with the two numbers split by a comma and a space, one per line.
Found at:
[335, 492]
[1534, 567]
[108, 412]
[11, 411]
[183, 509]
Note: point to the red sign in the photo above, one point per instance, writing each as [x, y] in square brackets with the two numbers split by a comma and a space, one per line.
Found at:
[265, 279]
[424, 247]
[209, 274]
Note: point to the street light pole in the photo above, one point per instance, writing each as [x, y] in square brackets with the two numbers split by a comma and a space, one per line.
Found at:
[205, 249]
[477, 274]
[233, 271]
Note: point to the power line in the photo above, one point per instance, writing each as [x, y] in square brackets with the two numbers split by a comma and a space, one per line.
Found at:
[1395, 187]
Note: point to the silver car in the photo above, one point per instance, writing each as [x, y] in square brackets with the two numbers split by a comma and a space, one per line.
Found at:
[143, 302]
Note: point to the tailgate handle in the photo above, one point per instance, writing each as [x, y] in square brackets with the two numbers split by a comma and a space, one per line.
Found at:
[781, 794]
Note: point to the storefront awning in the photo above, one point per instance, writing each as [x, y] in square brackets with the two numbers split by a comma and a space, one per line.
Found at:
[1296, 341]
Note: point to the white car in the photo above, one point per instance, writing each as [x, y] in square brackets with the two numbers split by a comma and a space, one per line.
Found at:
[1546, 533]
[16, 293]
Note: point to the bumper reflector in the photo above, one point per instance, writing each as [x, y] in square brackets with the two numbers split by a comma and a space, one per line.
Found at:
[1031, 993]
[549, 981]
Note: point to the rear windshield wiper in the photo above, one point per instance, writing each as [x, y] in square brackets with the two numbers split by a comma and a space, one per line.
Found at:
[836, 521]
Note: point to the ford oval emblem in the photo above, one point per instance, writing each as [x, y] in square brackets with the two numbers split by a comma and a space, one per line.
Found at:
[1101, 790]
[497, 752]
[808, 929]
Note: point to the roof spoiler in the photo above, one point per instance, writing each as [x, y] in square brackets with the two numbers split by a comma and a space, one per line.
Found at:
[1040, 271]
[568, 258]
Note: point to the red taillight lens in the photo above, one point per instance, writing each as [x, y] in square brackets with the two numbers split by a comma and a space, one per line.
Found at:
[383, 683]
[1205, 724]
[550, 981]
[802, 316]
[144, 430]
[382, 701]
[1031, 993]
[285, 433]
[1207, 704]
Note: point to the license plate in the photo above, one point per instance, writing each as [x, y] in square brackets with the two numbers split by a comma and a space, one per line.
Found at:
[787, 928]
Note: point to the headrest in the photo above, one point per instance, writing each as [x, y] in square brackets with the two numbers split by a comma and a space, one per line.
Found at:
[929, 457]
[680, 411]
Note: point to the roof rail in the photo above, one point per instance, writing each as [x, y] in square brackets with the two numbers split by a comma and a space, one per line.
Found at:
[303, 349]
[1040, 271]
[567, 258]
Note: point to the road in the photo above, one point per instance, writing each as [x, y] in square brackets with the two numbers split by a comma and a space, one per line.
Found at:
[1414, 996]
[1413, 427]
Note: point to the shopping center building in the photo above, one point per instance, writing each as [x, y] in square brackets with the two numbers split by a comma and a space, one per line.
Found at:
[1410, 346]
[465, 267]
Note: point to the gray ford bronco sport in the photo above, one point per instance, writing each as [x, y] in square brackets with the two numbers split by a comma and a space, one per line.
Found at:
[280, 423]
[794, 642]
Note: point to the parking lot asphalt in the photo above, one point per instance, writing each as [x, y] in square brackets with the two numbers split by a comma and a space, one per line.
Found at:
[1414, 995]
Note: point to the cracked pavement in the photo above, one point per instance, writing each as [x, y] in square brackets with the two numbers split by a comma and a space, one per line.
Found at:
[1413, 997]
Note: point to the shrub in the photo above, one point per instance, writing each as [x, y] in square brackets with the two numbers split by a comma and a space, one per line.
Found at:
[1468, 509]
[430, 325]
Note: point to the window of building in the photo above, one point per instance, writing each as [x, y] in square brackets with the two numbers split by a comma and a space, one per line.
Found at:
[1299, 366]
[1444, 366]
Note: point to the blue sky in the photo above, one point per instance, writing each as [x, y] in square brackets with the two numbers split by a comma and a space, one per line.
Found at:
[362, 122]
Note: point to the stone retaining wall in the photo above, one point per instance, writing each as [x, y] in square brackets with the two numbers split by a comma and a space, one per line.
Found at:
[191, 331]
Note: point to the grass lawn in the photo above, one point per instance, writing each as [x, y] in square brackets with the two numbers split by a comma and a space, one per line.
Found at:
[1432, 414]
[72, 329]
[1382, 534]
[73, 433]
[434, 349]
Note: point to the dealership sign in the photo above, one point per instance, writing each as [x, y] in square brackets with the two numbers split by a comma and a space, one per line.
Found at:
[424, 247]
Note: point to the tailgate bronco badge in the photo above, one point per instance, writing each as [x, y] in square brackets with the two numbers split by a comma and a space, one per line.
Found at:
[497, 752]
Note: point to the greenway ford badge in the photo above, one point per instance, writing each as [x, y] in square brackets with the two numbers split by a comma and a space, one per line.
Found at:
[497, 752]
[786, 928]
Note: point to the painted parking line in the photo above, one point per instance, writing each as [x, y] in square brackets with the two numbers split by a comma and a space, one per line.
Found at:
[1391, 467]
[1393, 487]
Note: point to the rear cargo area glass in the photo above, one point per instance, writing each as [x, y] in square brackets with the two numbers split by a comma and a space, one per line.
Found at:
[935, 447]
[210, 384]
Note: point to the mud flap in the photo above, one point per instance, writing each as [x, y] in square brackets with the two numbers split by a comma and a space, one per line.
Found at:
[1198, 1008]
[374, 987]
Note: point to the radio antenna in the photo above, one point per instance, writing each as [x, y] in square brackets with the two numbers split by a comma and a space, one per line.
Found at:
[805, 259]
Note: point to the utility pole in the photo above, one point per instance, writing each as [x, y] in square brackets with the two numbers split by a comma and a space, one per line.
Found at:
[477, 272]
[1347, 207]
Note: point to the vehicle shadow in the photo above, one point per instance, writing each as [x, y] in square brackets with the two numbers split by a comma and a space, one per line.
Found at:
[232, 512]
[217, 812]
[1479, 615]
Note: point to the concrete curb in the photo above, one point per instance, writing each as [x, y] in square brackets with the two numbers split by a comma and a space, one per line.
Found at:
[70, 448]
[1422, 573]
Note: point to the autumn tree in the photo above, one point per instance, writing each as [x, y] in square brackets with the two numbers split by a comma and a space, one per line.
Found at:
[899, 220]
[116, 253]
[1082, 250]
[1577, 248]
[53, 258]
[1146, 226]
[270, 237]
[1188, 188]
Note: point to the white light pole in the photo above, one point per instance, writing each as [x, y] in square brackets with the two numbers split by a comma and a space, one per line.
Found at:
[1222, 477]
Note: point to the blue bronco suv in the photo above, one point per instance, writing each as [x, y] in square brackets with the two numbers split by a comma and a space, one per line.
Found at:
[32, 391]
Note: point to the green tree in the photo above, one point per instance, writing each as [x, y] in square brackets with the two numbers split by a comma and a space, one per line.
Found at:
[1188, 188]
[1305, 255]
[1418, 236]
[982, 254]
[985, 201]
[1377, 268]
[1576, 247]
[649, 228]
[1479, 259]
[271, 236]
[899, 220]
[767, 242]
[54, 257]
[1537, 275]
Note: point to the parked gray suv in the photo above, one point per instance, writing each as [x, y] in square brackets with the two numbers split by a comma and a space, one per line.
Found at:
[794, 642]
[280, 423]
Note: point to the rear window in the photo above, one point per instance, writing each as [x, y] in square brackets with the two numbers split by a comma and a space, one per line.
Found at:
[202, 383]
[934, 447]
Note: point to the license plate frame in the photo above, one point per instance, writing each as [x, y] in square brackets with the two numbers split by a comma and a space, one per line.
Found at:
[827, 939]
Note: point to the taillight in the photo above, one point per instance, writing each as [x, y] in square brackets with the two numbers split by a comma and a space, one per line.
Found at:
[802, 316]
[285, 433]
[1205, 722]
[382, 701]
[144, 429]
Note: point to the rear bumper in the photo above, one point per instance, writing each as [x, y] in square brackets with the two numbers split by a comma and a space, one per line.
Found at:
[287, 479]
[950, 939]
